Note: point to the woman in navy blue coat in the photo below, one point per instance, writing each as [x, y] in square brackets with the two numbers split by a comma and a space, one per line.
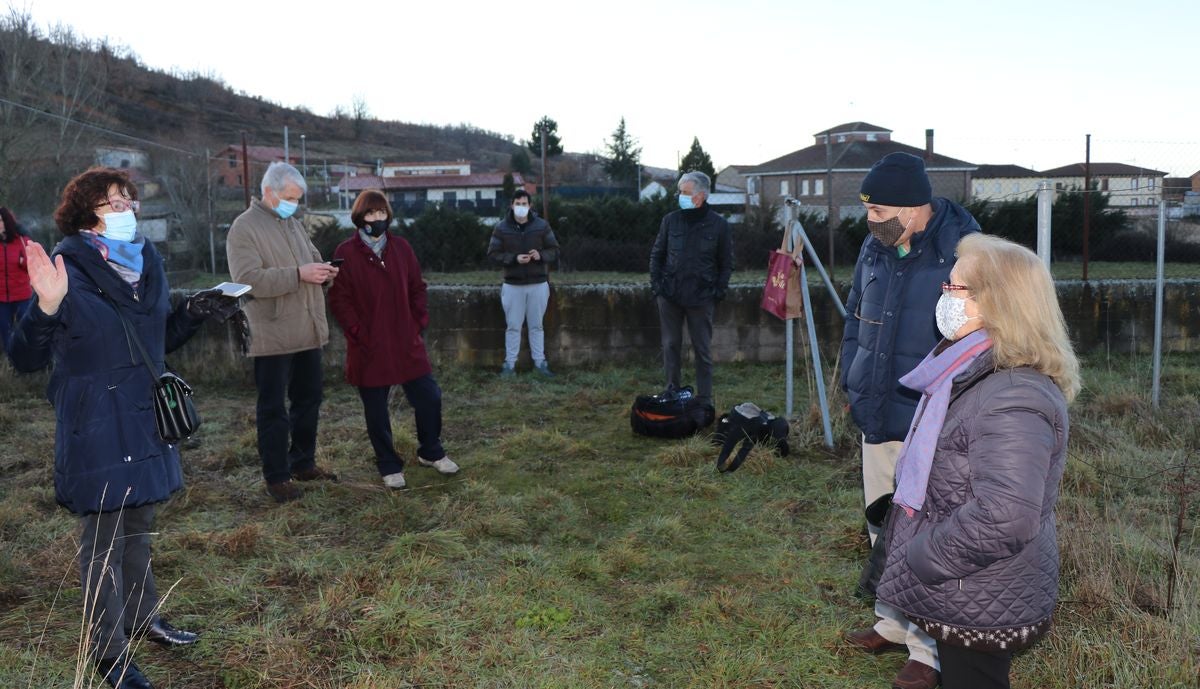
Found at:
[110, 465]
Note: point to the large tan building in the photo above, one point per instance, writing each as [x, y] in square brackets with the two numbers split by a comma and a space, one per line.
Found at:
[819, 174]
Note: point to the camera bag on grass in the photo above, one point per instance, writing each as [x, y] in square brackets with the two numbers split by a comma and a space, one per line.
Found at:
[673, 413]
[748, 425]
[174, 413]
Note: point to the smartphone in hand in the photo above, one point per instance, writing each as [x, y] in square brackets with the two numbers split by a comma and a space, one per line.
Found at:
[336, 262]
[232, 289]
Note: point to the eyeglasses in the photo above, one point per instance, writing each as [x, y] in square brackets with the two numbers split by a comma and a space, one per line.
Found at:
[950, 288]
[858, 308]
[120, 204]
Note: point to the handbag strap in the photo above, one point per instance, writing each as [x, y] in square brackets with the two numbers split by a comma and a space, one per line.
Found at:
[796, 248]
[131, 337]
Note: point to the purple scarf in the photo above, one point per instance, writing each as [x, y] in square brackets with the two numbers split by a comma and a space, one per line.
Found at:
[934, 379]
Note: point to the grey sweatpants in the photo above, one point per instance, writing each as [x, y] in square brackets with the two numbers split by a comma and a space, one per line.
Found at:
[118, 585]
[524, 304]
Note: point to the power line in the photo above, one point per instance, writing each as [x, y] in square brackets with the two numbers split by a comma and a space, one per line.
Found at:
[106, 130]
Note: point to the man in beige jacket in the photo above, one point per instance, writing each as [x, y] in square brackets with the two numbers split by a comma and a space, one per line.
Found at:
[269, 250]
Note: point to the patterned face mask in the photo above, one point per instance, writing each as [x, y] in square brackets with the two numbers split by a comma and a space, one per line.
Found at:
[889, 231]
[951, 313]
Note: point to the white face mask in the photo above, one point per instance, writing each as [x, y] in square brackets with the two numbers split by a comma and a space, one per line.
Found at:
[120, 226]
[521, 212]
[951, 313]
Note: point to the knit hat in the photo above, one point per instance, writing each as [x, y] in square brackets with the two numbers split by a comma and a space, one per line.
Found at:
[898, 179]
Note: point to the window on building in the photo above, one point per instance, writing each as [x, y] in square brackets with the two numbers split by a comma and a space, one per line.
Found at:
[1104, 184]
[783, 188]
[239, 180]
[1135, 201]
[870, 137]
[751, 183]
[1150, 184]
[819, 187]
[1135, 184]
[1058, 186]
[841, 138]
[804, 187]
[449, 197]
[233, 162]
[996, 188]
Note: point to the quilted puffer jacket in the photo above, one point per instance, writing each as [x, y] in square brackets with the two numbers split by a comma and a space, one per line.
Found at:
[978, 565]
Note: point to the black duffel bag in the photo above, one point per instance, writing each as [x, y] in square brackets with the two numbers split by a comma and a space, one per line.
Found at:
[673, 413]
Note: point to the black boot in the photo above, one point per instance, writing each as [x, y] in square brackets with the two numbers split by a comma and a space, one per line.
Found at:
[162, 633]
[121, 673]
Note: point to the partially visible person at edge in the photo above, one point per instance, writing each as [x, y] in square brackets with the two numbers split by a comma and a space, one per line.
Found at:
[525, 245]
[269, 249]
[890, 327]
[111, 468]
[972, 553]
[379, 300]
[690, 266]
[15, 292]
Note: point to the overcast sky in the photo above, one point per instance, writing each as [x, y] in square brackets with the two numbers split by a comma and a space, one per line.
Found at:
[1014, 82]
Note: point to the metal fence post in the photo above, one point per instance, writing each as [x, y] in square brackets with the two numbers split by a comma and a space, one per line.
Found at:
[789, 324]
[1045, 195]
[1158, 300]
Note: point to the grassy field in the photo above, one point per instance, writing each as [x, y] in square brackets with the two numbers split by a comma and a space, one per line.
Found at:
[570, 553]
[1062, 271]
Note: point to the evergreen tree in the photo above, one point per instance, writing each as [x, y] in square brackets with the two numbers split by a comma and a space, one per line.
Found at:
[519, 162]
[553, 143]
[699, 161]
[624, 156]
[510, 188]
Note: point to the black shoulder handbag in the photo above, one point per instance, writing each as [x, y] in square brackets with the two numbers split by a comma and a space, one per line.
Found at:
[174, 413]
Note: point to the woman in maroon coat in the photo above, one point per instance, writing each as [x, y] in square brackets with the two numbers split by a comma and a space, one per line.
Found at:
[379, 300]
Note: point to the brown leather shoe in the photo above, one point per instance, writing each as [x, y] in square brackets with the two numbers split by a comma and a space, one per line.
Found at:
[870, 641]
[916, 675]
[284, 491]
[314, 473]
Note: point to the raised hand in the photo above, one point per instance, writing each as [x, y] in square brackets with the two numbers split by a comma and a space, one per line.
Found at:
[48, 279]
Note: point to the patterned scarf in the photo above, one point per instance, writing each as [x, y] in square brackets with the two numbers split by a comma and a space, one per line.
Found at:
[934, 379]
[376, 245]
[125, 257]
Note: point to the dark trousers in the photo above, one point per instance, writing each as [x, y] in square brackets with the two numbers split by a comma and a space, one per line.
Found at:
[118, 585]
[287, 436]
[10, 313]
[964, 668]
[699, 320]
[425, 397]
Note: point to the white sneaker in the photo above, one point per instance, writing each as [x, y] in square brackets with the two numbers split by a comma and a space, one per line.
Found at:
[444, 465]
[395, 481]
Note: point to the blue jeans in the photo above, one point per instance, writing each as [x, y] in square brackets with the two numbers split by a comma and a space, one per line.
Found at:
[10, 313]
[426, 399]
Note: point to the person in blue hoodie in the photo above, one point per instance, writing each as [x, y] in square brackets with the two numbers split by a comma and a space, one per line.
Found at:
[890, 327]
[104, 286]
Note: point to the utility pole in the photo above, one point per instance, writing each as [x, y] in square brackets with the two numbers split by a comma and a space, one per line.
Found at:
[304, 167]
[829, 194]
[545, 183]
[287, 157]
[212, 242]
[245, 170]
[1087, 202]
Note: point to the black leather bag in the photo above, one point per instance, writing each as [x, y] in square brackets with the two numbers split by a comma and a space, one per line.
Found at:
[174, 413]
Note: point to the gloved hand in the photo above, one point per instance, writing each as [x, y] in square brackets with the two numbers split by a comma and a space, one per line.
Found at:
[212, 304]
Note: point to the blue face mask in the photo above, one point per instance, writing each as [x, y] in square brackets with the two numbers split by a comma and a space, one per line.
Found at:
[285, 209]
[120, 226]
[685, 202]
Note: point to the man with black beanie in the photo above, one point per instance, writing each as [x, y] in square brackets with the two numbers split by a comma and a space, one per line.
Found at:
[890, 327]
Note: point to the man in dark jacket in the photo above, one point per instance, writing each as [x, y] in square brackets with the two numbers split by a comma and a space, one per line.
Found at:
[889, 330]
[525, 245]
[690, 266]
